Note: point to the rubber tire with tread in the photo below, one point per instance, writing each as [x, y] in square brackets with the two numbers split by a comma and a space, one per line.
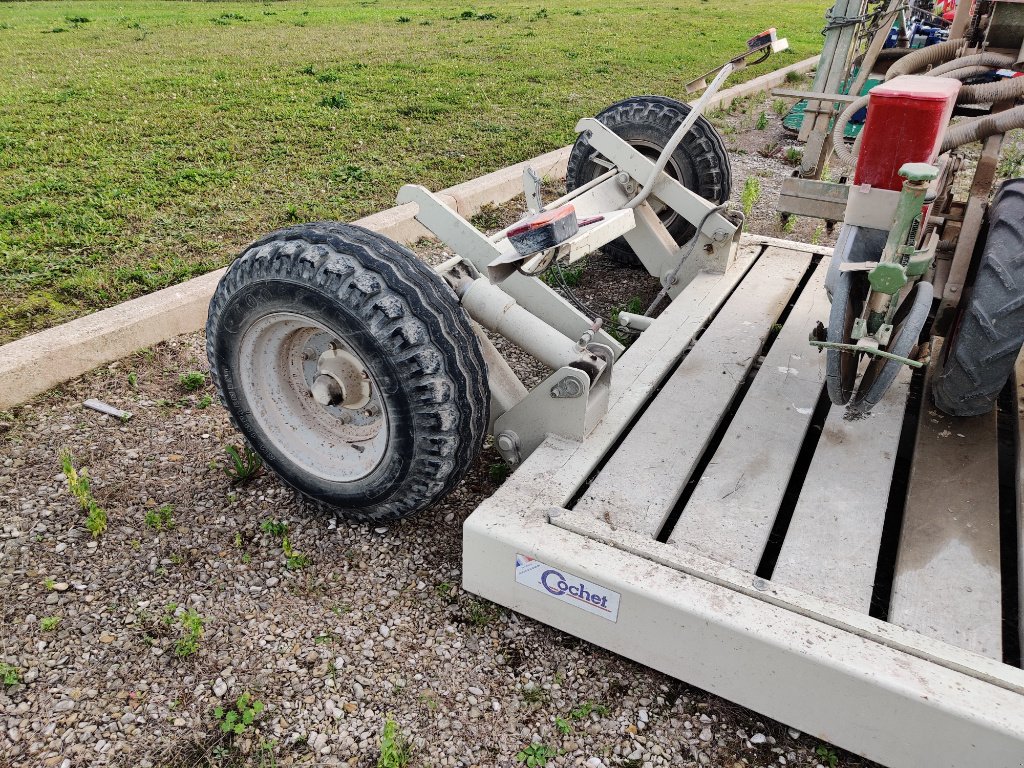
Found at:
[979, 355]
[701, 157]
[408, 328]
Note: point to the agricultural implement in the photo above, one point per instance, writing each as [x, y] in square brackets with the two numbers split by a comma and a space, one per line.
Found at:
[789, 523]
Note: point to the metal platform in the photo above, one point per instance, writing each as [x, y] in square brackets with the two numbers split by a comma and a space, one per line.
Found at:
[726, 525]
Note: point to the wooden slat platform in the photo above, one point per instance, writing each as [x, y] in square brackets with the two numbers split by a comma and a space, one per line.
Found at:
[800, 490]
[660, 452]
[733, 507]
[947, 581]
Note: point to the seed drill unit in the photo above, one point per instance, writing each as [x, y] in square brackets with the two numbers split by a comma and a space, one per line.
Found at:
[795, 524]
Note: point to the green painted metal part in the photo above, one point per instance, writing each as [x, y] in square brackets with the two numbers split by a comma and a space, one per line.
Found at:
[887, 277]
[867, 351]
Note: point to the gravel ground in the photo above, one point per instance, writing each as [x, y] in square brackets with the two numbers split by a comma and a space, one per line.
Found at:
[119, 650]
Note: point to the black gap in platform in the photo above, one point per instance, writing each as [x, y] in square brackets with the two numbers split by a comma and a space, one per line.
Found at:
[888, 549]
[770, 556]
[723, 425]
[655, 390]
[1009, 535]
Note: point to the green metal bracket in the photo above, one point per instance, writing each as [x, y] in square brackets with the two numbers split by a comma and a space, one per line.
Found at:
[867, 351]
[887, 277]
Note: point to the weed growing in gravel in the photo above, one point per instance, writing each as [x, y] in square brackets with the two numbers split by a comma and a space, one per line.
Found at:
[192, 381]
[235, 720]
[191, 628]
[536, 755]
[750, 195]
[584, 710]
[762, 121]
[559, 275]
[10, 674]
[564, 726]
[204, 402]
[794, 155]
[534, 694]
[49, 623]
[1011, 164]
[794, 77]
[394, 749]
[788, 223]
[245, 464]
[488, 217]
[498, 471]
[480, 613]
[133, 380]
[779, 107]
[274, 528]
[161, 519]
[827, 756]
[78, 483]
[48, 583]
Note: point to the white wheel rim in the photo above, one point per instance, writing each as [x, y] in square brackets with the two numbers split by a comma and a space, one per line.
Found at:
[282, 354]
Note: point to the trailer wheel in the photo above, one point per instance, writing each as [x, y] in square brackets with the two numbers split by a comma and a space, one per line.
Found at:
[989, 331]
[350, 368]
[700, 162]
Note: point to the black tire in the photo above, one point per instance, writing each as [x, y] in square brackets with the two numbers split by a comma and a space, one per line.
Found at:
[848, 296]
[908, 323]
[989, 331]
[700, 162]
[300, 294]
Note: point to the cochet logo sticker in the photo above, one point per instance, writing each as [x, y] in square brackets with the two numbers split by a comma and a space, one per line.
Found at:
[556, 584]
[567, 588]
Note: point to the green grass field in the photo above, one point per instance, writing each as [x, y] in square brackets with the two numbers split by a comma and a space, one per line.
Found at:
[145, 142]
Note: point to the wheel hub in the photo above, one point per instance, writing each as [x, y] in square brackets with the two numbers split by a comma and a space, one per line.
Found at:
[341, 380]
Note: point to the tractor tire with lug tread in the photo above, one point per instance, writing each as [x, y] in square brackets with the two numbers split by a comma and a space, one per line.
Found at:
[989, 332]
[700, 162]
[351, 369]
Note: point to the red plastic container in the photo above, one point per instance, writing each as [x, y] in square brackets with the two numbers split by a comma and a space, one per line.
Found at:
[907, 119]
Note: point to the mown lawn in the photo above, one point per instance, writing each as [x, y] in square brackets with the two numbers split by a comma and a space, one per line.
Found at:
[145, 142]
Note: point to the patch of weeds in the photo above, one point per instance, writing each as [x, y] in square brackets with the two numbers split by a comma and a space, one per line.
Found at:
[534, 695]
[351, 173]
[9, 673]
[245, 464]
[794, 155]
[78, 19]
[204, 402]
[794, 77]
[133, 380]
[49, 623]
[1011, 164]
[827, 756]
[536, 755]
[571, 275]
[395, 751]
[750, 195]
[328, 77]
[498, 471]
[817, 235]
[274, 528]
[48, 584]
[337, 101]
[541, 14]
[192, 381]
[403, 19]
[160, 519]
[762, 121]
[770, 149]
[585, 709]
[780, 107]
[788, 223]
[486, 17]
[487, 218]
[192, 632]
[480, 613]
[467, 15]
[234, 720]
[564, 726]
[78, 483]
[295, 560]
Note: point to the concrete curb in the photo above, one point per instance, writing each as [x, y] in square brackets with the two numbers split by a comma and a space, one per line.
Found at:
[35, 363]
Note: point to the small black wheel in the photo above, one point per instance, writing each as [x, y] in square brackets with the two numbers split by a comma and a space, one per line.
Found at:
[848, 296]
[989, 331]
[700, 162]
[907, 324]
[350, 368]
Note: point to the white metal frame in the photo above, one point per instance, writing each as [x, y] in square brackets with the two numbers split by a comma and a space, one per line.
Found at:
[879, 690]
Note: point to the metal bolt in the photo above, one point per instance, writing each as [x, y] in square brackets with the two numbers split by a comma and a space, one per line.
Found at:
[507, 442]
